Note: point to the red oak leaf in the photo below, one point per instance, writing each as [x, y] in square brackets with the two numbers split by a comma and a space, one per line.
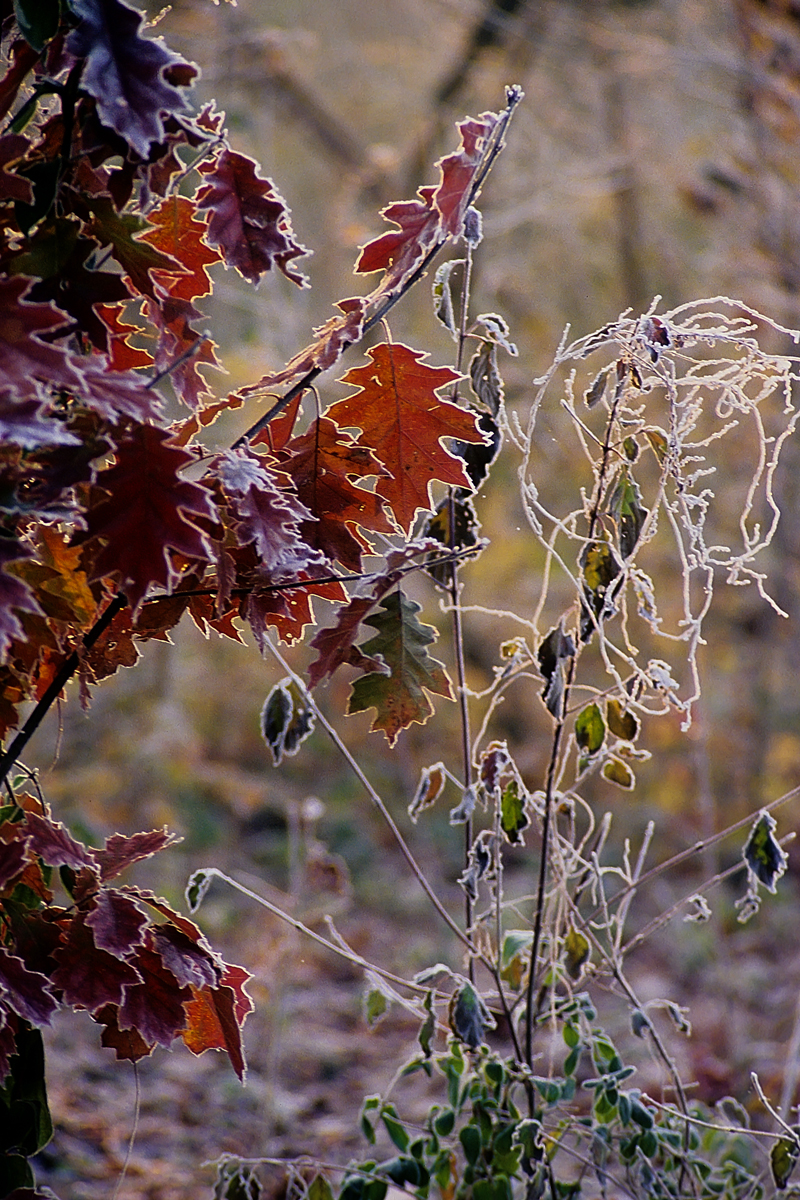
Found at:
[401, 250]
[337, 643]
[14, 594]
[268, 515]
[124, 233]
[215, 1017]
[24, 357]
[177, 232]
[458, 171]
[286, 609]
[54, 844]
[149, 511]
[181, 349]
[438, 213]
[186, 926]
[201, 418]
[88, 976]
[29, 423]
[186, 958]
[121, 852]
[322, 463]
[154, 1007]
[332, 339]
[126, 73]
[27, 993]
[116, 394]
[403, 420]
[117, 923]
[12, 861]
[14, 187]
[128, 1043]
[122, 356]
[249, 219]
[279, 430]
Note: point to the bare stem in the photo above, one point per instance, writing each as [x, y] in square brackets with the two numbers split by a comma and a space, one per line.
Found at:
[382, 809]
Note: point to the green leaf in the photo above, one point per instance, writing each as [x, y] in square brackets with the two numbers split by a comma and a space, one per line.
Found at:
[237, 1181]
[763, 855]
[15, 1172]
[622, 722]
[287, 719]
[514, 812]
[371, 1104]
[590, 729]
[403, 1170]
[627, 509]
[428, 1027]
[782, 1159]
[37, 20]
[444, 1122]
[618, 772]
[470, 1138]
[122, 231]
[576, 952]
[468, 1016]
[196, 888]
[376, 1006]
[394, 1127]
[601, 571]
[399, 697]
[319, 1189]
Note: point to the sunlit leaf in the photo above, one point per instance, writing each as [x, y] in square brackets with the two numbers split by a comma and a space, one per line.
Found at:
[250, 221]
[618, 772]
[622, 722]
[590, 729]
[429, 788]
[403, 421]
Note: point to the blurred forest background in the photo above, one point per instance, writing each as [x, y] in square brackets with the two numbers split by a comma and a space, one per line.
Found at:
[657, 152]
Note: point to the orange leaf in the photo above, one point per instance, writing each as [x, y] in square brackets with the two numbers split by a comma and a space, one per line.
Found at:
[323, 462]
[403, 420]
[178, 232]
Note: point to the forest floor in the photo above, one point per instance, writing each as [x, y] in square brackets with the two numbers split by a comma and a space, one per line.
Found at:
[312, 1057]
